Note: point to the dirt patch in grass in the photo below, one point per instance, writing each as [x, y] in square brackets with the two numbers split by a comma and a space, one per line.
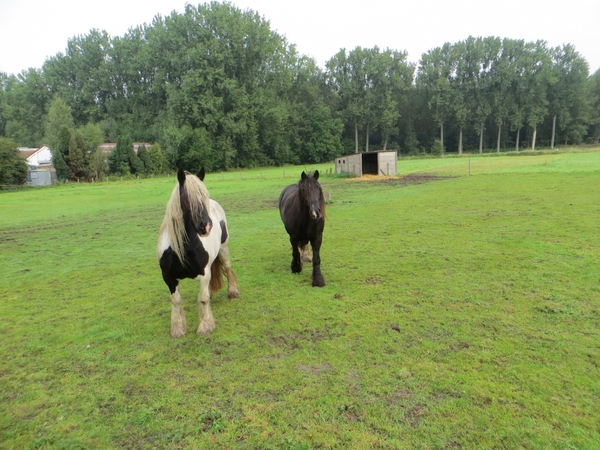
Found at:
[294, 340]
[316, 369]
[406, 180]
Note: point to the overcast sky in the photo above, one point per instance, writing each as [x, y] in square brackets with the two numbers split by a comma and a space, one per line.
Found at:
[32, 30]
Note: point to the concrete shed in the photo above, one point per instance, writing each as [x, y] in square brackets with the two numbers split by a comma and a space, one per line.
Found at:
[383, 163]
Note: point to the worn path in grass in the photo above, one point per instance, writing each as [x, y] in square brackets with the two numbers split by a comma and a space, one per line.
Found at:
[461, 312]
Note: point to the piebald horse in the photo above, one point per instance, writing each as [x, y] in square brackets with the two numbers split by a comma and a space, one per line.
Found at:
[193, 243]
[302, 210]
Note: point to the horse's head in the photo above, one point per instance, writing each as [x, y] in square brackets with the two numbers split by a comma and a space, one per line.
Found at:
[312, 195]
[193, 198]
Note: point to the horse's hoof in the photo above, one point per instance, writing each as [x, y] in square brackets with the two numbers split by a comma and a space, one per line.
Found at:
[204, 328]
[233, 295]
[318, 281]
[296, 268]
[177, 333]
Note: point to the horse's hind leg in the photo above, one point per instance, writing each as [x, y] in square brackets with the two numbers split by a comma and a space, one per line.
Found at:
[206, 319]
[178, 326]
[305, 253]
[232, 284]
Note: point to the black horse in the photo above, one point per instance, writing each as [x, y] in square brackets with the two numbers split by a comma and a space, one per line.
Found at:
[302, 210]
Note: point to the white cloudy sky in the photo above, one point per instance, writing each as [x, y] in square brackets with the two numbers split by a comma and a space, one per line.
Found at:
[32, 30]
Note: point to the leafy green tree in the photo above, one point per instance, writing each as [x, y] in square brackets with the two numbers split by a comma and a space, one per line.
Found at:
[568, 100]
[81, 75]
[437, 148]
[26, 101]
[110, 129]
[118, 161]
[346, 75]
[58, 132]
[459, 84]
[136, 166]
[59, 118]
[221, 93]
[13, 168]
[60, 154]
[435, 73]
[411, 143]
[304, 91]
[78, 156]
[144, 157]
[92, 137]
[481, 53]
[392, 78]
[593, 89]
[516, 108]
[537, 78]
[371, 86]
[98, 165]
[158, 162]
[3, 85]
[321, 137]
[191, 149]
[503, 73]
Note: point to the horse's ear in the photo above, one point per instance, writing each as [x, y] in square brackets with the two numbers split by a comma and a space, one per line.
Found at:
[303, 176]
[202, 174]
[316, 175]
[181, 176]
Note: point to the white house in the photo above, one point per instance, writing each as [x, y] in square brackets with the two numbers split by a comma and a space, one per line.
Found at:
[39, 162]
[37, 156]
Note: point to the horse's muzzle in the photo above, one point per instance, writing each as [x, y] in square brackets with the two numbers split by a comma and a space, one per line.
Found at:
[205, 231]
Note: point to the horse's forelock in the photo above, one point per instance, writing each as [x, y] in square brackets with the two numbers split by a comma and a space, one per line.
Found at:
[197, 193]
[309, 185]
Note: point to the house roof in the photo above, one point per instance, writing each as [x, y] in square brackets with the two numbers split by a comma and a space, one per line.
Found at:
[112, 145]
[29, 152]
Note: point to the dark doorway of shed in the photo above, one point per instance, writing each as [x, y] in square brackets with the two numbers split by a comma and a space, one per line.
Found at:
[369, 163]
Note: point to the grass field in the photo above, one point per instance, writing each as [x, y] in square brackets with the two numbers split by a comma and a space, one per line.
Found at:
[461, 311]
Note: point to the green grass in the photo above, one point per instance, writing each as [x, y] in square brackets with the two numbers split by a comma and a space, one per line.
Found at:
[463, 312]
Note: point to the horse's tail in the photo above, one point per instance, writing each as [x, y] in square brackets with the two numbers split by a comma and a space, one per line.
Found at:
[216, 271]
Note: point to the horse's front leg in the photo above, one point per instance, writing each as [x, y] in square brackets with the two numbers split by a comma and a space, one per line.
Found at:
[206, 319]
[296, 261]
[178, 326]
[317, 276]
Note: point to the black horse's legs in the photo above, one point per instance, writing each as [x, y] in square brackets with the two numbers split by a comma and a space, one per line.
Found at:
[296, 261]
[317, 276]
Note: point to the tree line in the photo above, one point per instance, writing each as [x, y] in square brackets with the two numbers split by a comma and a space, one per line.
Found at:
[215, 86]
